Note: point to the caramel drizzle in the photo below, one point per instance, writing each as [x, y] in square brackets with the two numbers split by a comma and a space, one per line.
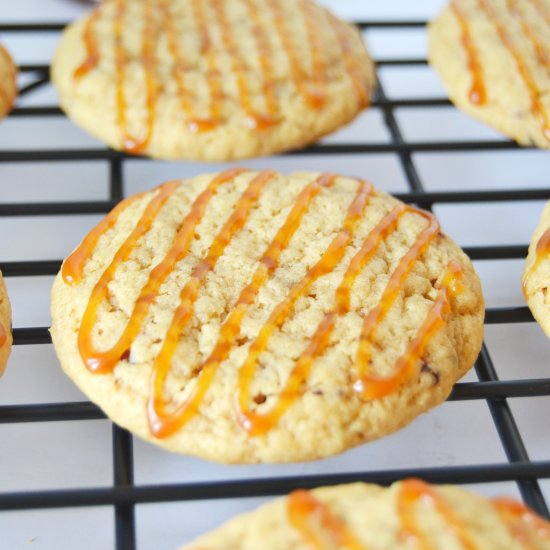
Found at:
[302, 506]
[105, 361]
[254, 120]
[477, 94]
[163, 422]
[264, 52]
[410, 493]
[213, 74]
[92, 49]
[132, 144]
[537, 108]
[521, 521]
[367, 385]
[350, 61]
[252, 421]
[540, 49]
[315, 97]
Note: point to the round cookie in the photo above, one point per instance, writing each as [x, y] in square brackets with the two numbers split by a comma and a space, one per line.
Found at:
[247, 317]
[536, 274]
[410, 514]
[5, 326]
[206, 80]
[8, 82]
[491, 56]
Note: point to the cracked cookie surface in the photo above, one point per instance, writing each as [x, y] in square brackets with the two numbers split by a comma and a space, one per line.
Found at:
[492, 56]
[259, 317]
[211, 80]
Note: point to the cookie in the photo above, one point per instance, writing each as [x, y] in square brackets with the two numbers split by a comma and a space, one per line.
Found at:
[492, 56]
[410, 514]
[210, 80]
[8, 82]
[536, 274]
[5, 326]
[247, 317]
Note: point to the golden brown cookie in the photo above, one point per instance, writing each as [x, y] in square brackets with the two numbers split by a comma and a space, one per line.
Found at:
[212, 80]
[8, 82]
[249, 317]
[493, 57]
[408, 515]
[5, 326]
[536, 275]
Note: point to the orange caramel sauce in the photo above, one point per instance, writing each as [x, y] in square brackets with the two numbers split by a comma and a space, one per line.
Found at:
[521, 521]
[477, 94]
[366, 385]
[303, 506]
[105, 361]
[314, 97]
[542, 250]
[537, 108]
[92, 49]
[415, 491]
[164, 423]
[257, 424]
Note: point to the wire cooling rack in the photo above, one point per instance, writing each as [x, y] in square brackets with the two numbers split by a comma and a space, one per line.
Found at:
[124, 494]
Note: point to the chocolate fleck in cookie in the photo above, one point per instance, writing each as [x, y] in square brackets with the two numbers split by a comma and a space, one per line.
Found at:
[536, 275]
[493, 58]
[5, 326]
[204, 79]
[410, 514]
[8, 82]
[249, 317]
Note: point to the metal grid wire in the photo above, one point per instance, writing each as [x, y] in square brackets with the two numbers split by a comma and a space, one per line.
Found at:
[124, 494]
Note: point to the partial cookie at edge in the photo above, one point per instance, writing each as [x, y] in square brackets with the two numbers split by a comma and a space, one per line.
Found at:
[5, 326]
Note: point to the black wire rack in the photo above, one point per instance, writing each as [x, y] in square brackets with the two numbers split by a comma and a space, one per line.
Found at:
[123, 495]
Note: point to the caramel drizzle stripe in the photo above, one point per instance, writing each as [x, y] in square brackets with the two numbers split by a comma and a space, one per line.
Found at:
[213, 73]
[163, 422]
[537, 107]
[264, 53]
[302, 505]
[519, 518]
[477, 93]
[367, 385]
[92, 49]
[539, 7]
[195, 124]
[132, 144]
[260, 423]
[105, 361]
[73, 266]
[413, 491]
[348, 54]
[254, 120]
[253, 422]
[313, 98]
[540, 49]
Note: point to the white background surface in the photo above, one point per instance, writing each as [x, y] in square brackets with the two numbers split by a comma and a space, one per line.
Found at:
[78, 454]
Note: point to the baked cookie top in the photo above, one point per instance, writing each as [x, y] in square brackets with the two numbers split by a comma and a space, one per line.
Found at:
[493, 57]
[249, 316]
[8, 82]
[410, 514]
[536, 274]
[212, 80]
[5, 325]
